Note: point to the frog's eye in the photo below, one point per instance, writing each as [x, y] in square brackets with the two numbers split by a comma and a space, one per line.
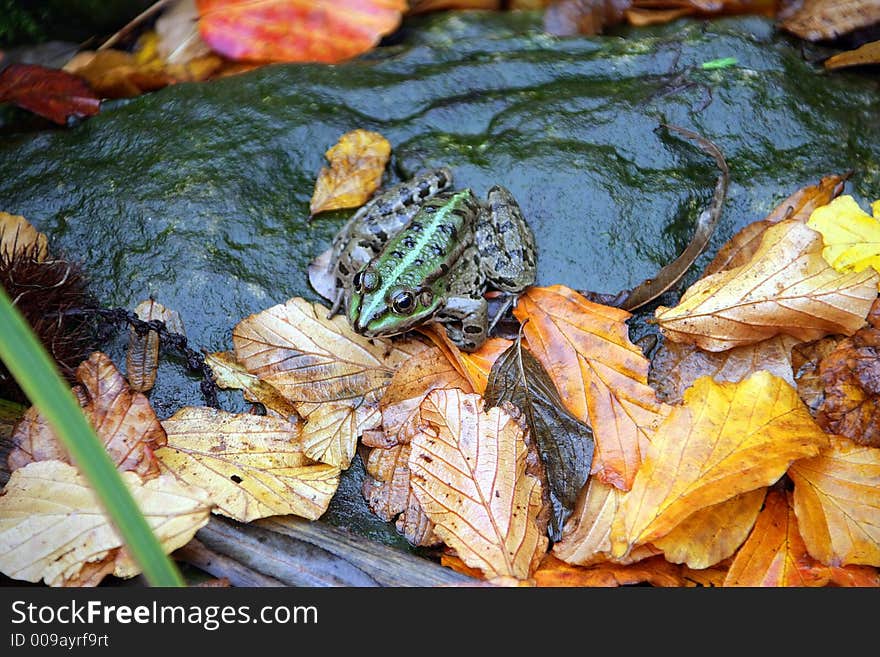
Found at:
[366, 280]
[403, 302]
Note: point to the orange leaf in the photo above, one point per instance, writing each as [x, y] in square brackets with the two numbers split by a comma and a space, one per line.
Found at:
[775, 554]
[726, 439]
[601, 376]
[837, 502]
[816, 20]
[356, 165]
[124, 421]
[653, 570]
[786, 288]
[868, 53]
[326, 31]
[475, 366]
[53, 94]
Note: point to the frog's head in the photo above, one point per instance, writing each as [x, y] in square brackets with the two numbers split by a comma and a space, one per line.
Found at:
[388, 307]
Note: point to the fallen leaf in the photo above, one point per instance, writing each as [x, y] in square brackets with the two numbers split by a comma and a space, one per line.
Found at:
[230, 374]
[837, 502]
[786, 288]
[332, 376]
[818, 20]
[469, 474]
[655, 571]
[851, 236]
[357, 163]
[253, 466]
[177, 31]
[726, 439]
[587, 536]
[644, 17]
[676, 365]
[600, 375]
[805, 360]
[52, 524]
[850, 377]
[867, 53]
[296, 30]
[572, 17]
[774, 553]
[118, 74]
[740, 248]
[142, 356]
[123, 420]
[704, 577]
[564, 444]
[17, 235]
[474, 366]
[51, 93]
[712, 533]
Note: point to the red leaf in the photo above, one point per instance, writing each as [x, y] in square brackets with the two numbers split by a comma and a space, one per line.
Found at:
[49, 92]
[296, 30]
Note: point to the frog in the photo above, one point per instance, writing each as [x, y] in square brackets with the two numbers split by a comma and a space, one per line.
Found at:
[422, 252]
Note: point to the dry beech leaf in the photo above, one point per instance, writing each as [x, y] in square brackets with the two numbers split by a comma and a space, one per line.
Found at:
[177, 29]
[712, 533]
[475, 366]
[797, 207]
[357, 162]
[333, 376]
[142, 357]
[586, 539]
[387, 485]
[653, 570]
[469, 474]
[786, 288]
[252, 465]
[123, 420]
[118, 74]
[712, 577]
[868, 53]
[52, 525]
[296, 30]
[837, 502]
[676, 365]
[228, 373]
[726, 439]
[817, 20]
[601, 376]
[775, 554]
[18, 235]
[806, 358]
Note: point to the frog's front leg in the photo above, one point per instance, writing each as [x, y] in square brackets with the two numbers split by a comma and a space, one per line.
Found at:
[465, 319]
[506, 243]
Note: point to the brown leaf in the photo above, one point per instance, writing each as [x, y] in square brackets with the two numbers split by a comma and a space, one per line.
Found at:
[868, 53]
[142, 356]
[739, 249]
[653, 570]
[123, 420]
[675, 365]
[786, 288]
[805, 360]
[837, 502]
[572, 17]
[18, 235]
[332, 376]
[52, 524]
[818, 20]
[253, 466]
[51, 93]
[357, 163]
[850, 376]
[601, 376]
[775, 554]
[118, 74]
[726, 439]
[229, 373]
[469, 474]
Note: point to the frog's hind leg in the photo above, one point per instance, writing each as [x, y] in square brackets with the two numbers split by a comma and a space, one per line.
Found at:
[465, 320]
[506, 243]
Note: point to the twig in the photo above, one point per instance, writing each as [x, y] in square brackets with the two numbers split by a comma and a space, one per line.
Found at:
[134, 22]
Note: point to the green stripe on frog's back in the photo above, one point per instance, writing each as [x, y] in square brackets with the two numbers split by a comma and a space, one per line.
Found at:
[426, 247]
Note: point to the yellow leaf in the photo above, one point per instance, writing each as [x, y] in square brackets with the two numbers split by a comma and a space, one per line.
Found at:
[52, 524]
[469, 474]
[252, 465]
[333, 376]
[851, 236]
[786, 288]
[17, 235]
[725, 439]
[357, 162]
[712, 533]
[601, 376]
[229, 373]
[837, 502]
[867, 53]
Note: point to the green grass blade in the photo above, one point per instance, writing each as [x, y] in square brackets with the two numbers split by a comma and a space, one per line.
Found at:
[38, 377]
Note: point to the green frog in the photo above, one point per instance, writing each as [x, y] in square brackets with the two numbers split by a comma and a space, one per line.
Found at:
[420, 252]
